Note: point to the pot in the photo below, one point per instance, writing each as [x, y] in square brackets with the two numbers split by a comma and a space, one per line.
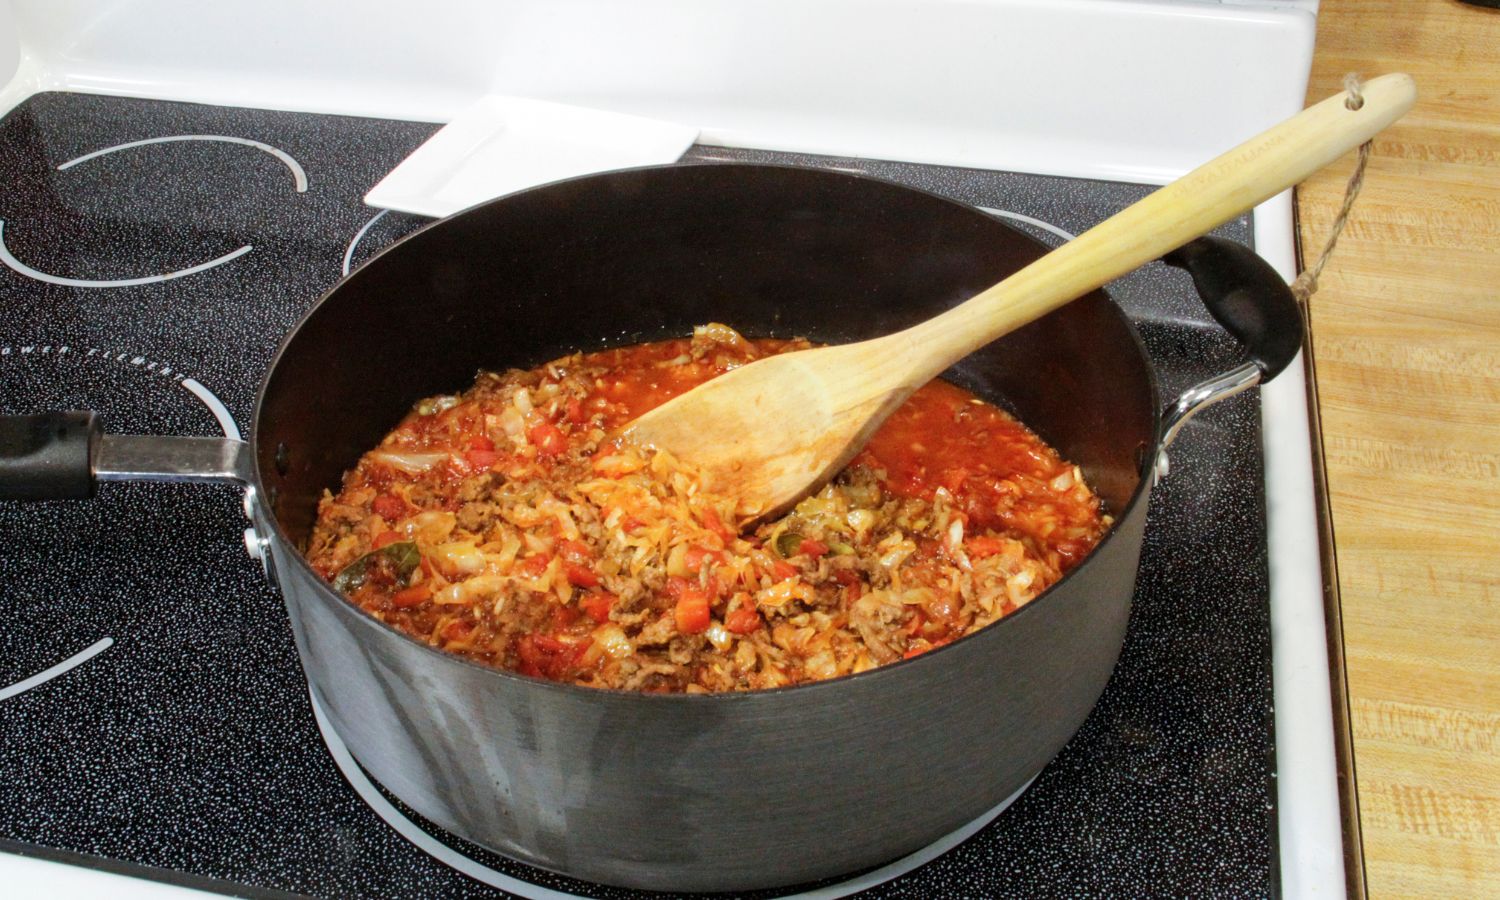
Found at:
[693, 792]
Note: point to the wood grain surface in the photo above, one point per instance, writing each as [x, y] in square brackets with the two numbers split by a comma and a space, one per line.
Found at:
[1406, 334]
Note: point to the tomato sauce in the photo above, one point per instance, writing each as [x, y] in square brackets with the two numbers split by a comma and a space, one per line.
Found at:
[943, 437]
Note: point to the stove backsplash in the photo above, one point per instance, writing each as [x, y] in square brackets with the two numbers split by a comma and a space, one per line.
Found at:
[10, 43]
[1136, 90]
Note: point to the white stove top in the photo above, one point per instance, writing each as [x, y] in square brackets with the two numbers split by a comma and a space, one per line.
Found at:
[1125, 90]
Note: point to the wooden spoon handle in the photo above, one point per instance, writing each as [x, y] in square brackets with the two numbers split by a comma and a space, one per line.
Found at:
[1192, 206]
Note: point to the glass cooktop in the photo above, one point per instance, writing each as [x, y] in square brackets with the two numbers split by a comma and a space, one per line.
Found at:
[154, 719]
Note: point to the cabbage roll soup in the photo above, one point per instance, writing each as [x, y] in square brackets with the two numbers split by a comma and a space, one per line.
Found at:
[505, 525]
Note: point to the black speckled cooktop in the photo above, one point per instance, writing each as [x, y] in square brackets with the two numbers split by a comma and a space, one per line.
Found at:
[153, 282]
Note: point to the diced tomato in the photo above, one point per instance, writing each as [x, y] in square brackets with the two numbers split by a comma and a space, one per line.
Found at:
[713, 523]
[953, 479]
[388, 507]
[458, 629]
[1071, 551]
[692, 612]
[597, 605]
[676, 585]
[385, 539]
[694, 556]
[743, 620]
[563, 617]
[575, 411]
[548, 643]
[428, 568]
[582, 576]
[412, 596]
[482, 442]
[531, 657]
[533, 566]
[579, 649]
[781, 570]
[481, 460]
[812, 548]
[575, 552]
[544, 656]
[853, 587]
[547, 438]
[983, 545]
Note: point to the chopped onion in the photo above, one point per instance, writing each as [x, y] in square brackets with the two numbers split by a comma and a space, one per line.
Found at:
[1017, 584]
[474, 590]
[677, 561]
[432, 526]
[504, 556]
[615, 465]
[782, 593]
[897, 553]
[719, 636]
[434, 405]
[821, 665]
[513, 424]
[613, 639]
[410, 463]
[720, 333]
[482, 587]
[861, 520]
[460, 556]
[955, 534]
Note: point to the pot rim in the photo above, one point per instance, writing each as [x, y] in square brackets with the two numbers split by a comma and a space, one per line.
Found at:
[327, 594]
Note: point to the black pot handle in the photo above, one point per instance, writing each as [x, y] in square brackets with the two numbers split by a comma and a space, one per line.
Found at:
[1249, 298]
[48, 456]
[1246, 296]
[64, 455]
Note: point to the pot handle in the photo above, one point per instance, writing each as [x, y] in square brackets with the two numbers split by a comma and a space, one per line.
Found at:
[1249, 298]
[64, 455]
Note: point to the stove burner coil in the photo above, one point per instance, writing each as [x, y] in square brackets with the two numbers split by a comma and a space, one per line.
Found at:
[22, 269]
[299, 177]
[46, 675]
[359, 236]
[299, 180]
[214, 405]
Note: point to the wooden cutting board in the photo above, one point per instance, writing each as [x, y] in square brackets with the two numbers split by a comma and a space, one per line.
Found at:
[1406, 338]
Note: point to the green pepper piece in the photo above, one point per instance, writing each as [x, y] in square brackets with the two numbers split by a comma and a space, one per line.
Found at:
[788, 543]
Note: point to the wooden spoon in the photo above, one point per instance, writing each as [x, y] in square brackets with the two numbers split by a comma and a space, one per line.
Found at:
[770, 432]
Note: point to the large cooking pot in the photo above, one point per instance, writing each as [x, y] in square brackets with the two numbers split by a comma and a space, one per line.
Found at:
[693, 792]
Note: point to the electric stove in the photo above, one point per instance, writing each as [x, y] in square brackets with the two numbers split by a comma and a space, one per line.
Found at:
[154, 720]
